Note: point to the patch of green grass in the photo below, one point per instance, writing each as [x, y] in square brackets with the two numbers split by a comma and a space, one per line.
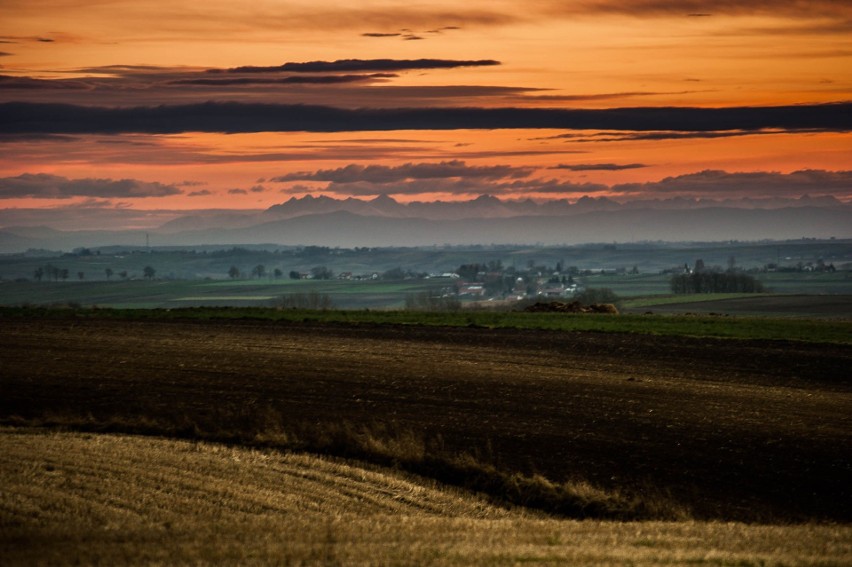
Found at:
[348, 294]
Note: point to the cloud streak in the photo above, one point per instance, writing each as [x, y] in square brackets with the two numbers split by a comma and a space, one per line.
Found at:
[459, 187]
[34, 118]
[451, 177]
[721, 184]
[45, 186]
[347, 82]
[458, 178]
[293, 80]
[361, 65]
[355, 173]
[600, 166]
[27, 83]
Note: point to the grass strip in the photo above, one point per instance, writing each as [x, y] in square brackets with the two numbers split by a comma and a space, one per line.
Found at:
[715, 326]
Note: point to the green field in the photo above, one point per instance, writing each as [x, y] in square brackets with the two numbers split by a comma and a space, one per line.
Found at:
[692, 325]
[186, 293]
[637, 291]
[384, 278]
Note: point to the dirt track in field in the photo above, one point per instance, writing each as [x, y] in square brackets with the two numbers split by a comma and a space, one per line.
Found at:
[738, 429]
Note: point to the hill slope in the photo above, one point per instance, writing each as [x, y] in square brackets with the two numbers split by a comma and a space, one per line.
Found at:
[105, 499]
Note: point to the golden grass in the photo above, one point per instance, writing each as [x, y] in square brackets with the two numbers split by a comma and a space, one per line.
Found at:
[70, 498]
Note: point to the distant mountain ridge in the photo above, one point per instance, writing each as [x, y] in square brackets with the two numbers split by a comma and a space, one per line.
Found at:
[294, 224]
[482, 207]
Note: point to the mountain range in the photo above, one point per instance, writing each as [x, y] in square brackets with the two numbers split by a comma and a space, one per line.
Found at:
[383, 221]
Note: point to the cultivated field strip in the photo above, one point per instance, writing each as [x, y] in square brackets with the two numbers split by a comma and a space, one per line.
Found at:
[750, 430]
[70, 498]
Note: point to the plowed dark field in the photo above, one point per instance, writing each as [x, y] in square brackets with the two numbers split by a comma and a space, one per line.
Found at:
[746, 430]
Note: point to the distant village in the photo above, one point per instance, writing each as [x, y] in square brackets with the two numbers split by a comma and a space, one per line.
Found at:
[490, 280]
[574, 273]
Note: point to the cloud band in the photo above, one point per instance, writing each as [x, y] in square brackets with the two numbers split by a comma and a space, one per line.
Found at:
[228, 117]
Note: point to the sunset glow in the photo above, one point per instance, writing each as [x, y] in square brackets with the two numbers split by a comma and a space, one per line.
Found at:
[109, 62]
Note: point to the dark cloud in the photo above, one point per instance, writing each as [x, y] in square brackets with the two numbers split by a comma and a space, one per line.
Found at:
[463, 186]
[453, 177]
[202, 193]
[409, 35]
[600, 166]
[5, 54]
[237, 192]
[131, 86]
[292, 80]
[258, 189]
[361, 65]
[710, 184]
[26, 138]
[458, 178]
[718, 184]
[226, 117]
[667, 135]
[355, 173]
[10, 82]
[25, 39]
[45, 186]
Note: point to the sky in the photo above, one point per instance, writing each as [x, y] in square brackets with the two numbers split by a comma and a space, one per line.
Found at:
[181, 105]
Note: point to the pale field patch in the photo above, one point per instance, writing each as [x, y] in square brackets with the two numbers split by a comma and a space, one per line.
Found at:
[71, 498]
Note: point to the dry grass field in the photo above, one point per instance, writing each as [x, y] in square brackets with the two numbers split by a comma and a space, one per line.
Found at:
[100, 499]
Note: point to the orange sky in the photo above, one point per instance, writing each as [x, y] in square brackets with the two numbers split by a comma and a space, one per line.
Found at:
[596, 54]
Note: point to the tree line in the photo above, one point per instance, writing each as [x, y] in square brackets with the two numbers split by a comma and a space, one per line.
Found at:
[56, 273]
[707, 281]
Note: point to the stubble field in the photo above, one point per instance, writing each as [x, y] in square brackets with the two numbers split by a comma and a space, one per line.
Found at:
[72, 498]
[601, 425]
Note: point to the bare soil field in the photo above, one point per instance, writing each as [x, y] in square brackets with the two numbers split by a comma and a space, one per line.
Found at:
[102, 499]
[729, 429]
[812, 306]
